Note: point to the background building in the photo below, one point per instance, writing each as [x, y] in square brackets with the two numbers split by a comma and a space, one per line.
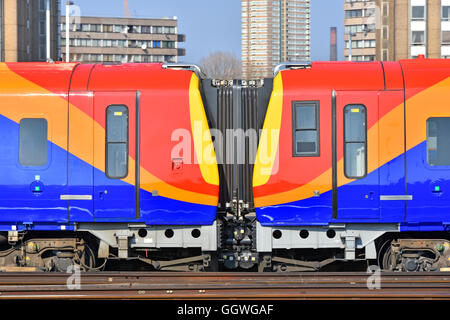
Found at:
[397, 29]
[361, 25]
[23, 30]
[415, 27]
[97, 39]
[273, 32]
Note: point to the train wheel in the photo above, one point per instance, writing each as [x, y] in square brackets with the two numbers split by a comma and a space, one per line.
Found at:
[385, 256]
[387, 260]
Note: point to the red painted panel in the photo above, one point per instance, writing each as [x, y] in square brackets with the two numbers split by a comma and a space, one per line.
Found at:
[80, 77]
[163, 114]
[338, 76]
[393, 75]
[138, 76]
[296, 171]
[423, 73]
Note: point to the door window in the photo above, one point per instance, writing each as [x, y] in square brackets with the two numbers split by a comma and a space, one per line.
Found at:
[355, 141]
[306, 129]
[33, 142]
[438, 137]
[116, 142]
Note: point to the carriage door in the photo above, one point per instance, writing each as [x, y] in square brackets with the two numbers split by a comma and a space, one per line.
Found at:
[356, 141]
[114, 154]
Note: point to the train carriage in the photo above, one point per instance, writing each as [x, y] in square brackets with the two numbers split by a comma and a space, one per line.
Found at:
[361, 153]
[93, 148]
[154, 166]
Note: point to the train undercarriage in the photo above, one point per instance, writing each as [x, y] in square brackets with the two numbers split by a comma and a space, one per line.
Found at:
[236, 250]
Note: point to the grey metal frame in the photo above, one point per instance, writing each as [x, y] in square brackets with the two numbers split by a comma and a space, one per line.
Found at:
[348, 237]
[291, 65]
[126, 235]
[185, 66]
[2, 31]
[300, 103]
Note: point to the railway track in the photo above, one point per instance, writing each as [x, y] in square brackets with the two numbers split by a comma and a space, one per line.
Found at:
[177, 286]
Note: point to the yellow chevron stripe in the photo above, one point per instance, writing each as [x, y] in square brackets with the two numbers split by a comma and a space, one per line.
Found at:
[204, 148]
[268, 146]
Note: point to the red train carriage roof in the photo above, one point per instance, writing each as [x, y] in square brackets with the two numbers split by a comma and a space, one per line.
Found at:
[54, 77]
[418, 74]
[338, 76]
[142, 76]
[422, 73]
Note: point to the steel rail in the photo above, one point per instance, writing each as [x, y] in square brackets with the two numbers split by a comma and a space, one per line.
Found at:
[164, 285]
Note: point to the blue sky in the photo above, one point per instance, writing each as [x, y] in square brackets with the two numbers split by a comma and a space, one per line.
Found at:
[212, 25]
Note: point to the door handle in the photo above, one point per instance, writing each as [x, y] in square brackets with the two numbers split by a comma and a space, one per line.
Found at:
[177, 165]
[102, 194]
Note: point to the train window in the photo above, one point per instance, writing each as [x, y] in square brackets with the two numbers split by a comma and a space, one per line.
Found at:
[116, 142]
[306, 129]
[33, 142]
[438, 135]
[355, 141]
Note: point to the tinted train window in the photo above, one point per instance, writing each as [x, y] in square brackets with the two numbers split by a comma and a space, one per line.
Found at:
[355, 141]
[33, 142]
[116, 142]
[438, 137]
[306, 129]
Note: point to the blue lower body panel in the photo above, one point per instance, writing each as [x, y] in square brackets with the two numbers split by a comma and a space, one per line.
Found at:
[19, 200]
[428, 211]
[21, 208]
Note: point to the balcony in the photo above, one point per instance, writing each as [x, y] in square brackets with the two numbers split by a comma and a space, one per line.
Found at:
[181, 52]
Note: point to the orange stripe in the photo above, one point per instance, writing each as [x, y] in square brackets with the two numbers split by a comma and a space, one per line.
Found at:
[20, 98]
